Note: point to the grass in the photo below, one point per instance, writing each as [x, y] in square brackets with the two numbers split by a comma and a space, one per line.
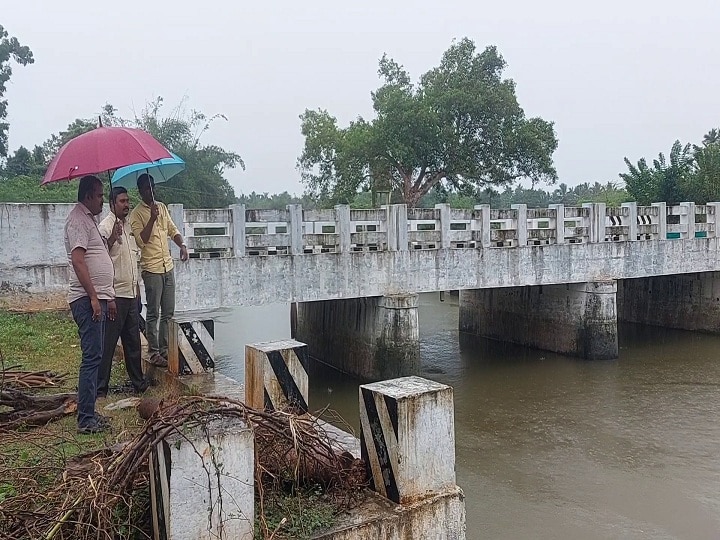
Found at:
[304, 512]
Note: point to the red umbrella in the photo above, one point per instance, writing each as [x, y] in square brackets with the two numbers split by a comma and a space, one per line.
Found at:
[103, 149]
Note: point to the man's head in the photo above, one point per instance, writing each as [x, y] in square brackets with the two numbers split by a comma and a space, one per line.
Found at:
[90, 193]
[146, 187]
[119, 202]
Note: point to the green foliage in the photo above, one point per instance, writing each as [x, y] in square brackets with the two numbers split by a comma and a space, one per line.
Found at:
[28, 189]
[10, 51]
[278, 201]
[691, 174]
[305, 512]
[460, 126]
[201, 184]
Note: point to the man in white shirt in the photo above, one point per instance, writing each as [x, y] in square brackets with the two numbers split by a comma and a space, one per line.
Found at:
[123, 252]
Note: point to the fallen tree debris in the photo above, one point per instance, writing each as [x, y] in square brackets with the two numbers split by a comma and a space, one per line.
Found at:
[30, 379]
[96, 494]
[30, 410]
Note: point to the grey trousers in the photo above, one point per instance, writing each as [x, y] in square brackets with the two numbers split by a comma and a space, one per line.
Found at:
[160, 296]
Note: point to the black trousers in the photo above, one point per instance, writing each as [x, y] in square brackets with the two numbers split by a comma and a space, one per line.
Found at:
[125, 326]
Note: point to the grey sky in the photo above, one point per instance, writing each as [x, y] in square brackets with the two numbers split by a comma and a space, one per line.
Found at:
[617, 77]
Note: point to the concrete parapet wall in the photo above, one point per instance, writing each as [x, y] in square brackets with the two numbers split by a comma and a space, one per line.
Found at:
[685, 301]
[575, 319]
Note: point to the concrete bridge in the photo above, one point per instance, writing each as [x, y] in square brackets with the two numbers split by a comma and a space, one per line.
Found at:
[555, 278]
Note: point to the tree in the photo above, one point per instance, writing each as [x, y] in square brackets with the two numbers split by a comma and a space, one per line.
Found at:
[10, 50]
[201, 184]
[460, 126]
[663, 181]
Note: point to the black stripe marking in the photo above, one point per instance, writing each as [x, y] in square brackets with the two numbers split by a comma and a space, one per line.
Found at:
[267, 401]
[209, 325]
[197, 346]
[364, 454]
[392, 409]
[304, 357]
[184, 367]
[285, 378]
[388, 475]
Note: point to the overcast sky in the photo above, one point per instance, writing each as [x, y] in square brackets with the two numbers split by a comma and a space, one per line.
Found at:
[618, 78]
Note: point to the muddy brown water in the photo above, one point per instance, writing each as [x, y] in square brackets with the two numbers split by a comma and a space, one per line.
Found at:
[549, 446]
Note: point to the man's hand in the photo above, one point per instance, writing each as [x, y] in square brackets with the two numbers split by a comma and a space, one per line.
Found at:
[112, 310]
[154, 211]
[117, 229]
[97, 309]
[183, 253]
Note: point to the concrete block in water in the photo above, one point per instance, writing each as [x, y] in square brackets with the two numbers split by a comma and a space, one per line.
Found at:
[276, 375]
[407, 437]
[191, 346]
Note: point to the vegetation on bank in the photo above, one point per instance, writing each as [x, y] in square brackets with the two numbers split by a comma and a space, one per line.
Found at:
[32, 460]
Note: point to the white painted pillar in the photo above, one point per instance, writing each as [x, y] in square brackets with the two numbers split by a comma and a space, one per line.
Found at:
[559, 222]
[482, 217]
[237, 212]
[276, 375]
[661, 220]
[688, 220]
[632, 218]
[177, 214]
[202, 483]
[342, 220]
[444, 210]
[595, 222]
[521, 223]
[714, 218]
[407, 437]
[397, 226]
[296, 229]
[191, 346]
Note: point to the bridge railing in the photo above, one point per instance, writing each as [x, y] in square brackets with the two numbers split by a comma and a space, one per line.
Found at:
[237, 231]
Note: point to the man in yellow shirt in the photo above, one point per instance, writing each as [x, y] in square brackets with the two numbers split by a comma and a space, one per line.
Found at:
[152, 225]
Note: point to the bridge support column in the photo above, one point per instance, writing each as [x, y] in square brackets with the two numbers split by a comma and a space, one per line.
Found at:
[684, 301]
[371, 338]
[578, 319]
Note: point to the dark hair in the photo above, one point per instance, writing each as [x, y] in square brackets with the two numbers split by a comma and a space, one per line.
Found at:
[115, 192]
[87, 184]
[144, 178]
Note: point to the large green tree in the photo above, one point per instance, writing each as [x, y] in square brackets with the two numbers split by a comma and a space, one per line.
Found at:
[10, 51]
[461, 125]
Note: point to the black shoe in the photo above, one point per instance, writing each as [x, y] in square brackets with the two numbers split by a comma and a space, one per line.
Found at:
[158, 360]
[101, 420]
[92, 428]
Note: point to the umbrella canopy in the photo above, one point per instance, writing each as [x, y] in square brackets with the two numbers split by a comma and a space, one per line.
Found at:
[161, 171]
[103, 149]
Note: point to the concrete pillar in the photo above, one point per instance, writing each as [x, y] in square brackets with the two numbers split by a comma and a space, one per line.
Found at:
[559, 222]
[296, 229]
[407, 438]
[578, 319]
[714, 218]
[371, 338]
[521, 223]
[661, 220]
[177, 214]
[342, 219]
[632, 235]
[687, 219]
[397, 227]
[444, 210]
[237, 211]
[482, 217]
[191, 346]
[684, 301]
[276, 375]
[202, 483]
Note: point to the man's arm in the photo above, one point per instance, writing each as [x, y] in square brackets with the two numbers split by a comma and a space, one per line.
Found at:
[147, 230]
[178, 239]
[81, 270]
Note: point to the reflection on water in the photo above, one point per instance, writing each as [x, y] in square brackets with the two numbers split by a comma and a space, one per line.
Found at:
[553, 447]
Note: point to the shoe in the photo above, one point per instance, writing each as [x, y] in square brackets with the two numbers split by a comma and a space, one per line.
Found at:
[158, 360]
[101, 420]
[92, 428]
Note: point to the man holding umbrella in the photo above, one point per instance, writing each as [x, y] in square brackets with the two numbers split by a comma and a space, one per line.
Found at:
[152, 226]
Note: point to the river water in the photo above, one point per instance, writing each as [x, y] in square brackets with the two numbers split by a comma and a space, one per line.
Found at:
[549, 446]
